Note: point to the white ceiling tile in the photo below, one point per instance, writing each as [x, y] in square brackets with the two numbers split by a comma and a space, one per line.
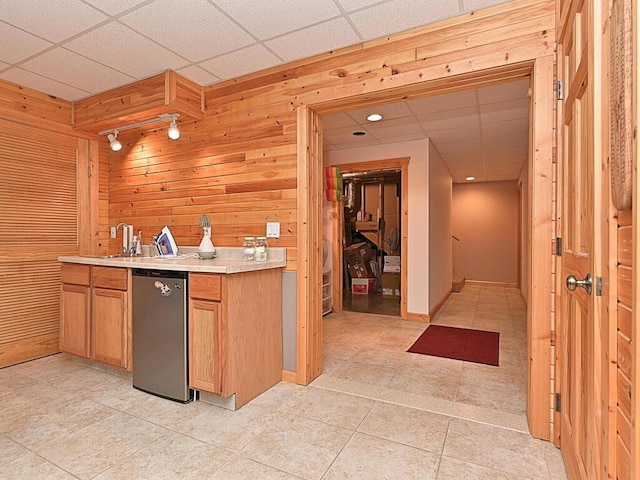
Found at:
[42, 84]
[470, 5]
[113, 7]
[198, 32]
[399, 15]
[389, 112]
[4, 65]
[267, 19]
[351, 5]
[386, 129]
[23, 44]
[310, 41]
[505, 111]
[461, 117]
[344, 136]
[53, 20]
[135, 55]
[463, 147]
[198, 75]
[358, 142]
[511, 127]
[455, 134]
[76, 70]
[440, 103]
[504, 91]
[241, 62]
[337, 120]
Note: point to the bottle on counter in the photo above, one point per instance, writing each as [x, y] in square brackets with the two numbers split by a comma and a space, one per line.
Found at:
[261, 249]
[249, 249]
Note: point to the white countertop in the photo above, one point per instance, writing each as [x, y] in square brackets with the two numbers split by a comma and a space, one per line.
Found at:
[228, 260]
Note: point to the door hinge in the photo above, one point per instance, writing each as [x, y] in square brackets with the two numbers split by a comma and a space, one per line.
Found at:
[558, 405]
[598, 286]
[559, 246]
[559, 90]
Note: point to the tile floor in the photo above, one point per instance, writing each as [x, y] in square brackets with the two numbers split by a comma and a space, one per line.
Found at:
[376, 413]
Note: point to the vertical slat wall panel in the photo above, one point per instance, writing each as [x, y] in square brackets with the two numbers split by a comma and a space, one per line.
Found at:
[38, 201]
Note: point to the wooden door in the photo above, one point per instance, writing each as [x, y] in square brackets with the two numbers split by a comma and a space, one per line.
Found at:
[205, 352]
[108, 327]
[74, 319]
[577, 312]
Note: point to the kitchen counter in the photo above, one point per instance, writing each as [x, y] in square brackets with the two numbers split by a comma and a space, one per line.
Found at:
[227, 261]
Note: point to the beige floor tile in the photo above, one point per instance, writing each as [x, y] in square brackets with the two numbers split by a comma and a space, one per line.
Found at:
[441, 384]
[453, 469]
[495, 395]
[31, 466]
[118, 394]
[51, 422]
[227, 429]
[10, 450]
[515, 453]
[335, 408]
[170, 457]
[298, 446]
[93, 449]
[372, 458]
[239, 468]
[364, 373]
[408, 426]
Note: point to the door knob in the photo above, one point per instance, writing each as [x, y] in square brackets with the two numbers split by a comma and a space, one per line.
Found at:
[573, 283]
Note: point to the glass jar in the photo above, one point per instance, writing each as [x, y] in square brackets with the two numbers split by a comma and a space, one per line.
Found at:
[249, 249]
[261, 249]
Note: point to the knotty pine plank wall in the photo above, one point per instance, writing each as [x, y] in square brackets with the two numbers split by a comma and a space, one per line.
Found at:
[238, 165]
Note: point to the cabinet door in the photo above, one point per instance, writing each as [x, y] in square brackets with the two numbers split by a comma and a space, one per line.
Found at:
[74, 319]
[205, 355]
[108, 327]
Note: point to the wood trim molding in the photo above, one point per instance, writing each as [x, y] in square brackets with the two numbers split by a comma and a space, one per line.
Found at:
[440, 304]
[289, 376]
[418, 317]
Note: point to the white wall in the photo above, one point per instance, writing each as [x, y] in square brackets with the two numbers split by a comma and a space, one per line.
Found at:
[440, 247]
[418, 223]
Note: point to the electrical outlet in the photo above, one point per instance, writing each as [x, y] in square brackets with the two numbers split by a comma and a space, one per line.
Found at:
[113, 232]
[273, 229]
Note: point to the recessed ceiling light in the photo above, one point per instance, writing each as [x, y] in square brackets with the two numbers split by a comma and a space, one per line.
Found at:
[470, 179]
[374, 117]
[359, 133]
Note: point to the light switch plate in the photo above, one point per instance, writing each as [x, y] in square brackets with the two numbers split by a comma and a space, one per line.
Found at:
[273, 229]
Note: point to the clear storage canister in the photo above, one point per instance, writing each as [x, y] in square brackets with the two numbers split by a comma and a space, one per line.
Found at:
[249, 249]
[261, 249]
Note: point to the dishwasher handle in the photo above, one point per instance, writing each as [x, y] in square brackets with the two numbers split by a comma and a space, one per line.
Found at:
[147, 272]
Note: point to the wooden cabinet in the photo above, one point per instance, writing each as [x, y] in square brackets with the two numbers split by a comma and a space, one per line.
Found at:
[205, 348]
[110, 323]
[235, 333]
[95, 314]
[75, 309]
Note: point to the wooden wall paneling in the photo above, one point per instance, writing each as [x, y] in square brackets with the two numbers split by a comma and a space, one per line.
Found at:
[22, 103]
[141, 100]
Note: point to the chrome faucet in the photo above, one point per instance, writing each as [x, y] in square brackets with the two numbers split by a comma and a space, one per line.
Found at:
[126, 247]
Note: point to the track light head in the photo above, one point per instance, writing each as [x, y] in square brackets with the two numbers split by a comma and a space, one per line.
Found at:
[114, 143]
[173, 131]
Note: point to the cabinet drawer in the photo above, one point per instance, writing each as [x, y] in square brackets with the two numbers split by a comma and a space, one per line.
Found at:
[75, 274]
[205, 286]
[110, 277]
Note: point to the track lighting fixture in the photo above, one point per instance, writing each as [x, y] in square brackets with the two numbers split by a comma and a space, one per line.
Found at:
[173, 131]
[114, 143]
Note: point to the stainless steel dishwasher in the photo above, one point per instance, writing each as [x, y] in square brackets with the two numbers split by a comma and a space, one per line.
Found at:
[160, 363]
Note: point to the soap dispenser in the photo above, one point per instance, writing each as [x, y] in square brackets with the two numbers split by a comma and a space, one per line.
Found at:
[206, 249]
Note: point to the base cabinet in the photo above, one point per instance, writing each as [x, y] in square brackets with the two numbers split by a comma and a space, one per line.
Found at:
[235, 333]
[74, 319]
[95, 314]
[205, 349]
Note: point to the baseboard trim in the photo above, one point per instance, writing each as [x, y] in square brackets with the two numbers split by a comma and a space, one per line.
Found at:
[493, 284]
[289, 376]
[440, 304]
[418, 317]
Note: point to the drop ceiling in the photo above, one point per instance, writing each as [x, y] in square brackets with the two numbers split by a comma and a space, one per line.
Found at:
[73, 49]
